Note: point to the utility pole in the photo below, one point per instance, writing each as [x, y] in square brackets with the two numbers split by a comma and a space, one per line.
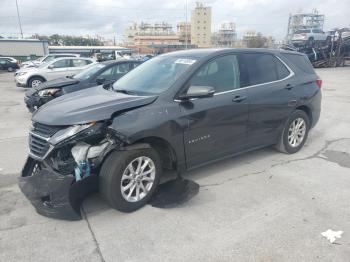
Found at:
[186, 26]
[19, 20]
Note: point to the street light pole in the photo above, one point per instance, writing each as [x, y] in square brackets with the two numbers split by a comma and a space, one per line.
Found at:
[19, 20]
[186, 26]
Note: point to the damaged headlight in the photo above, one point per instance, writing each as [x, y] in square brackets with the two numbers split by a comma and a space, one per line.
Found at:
[48, 92]
[70, 132]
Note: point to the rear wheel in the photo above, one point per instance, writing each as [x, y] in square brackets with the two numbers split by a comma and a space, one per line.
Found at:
[129, 178]
[35, 81]
[294, 133]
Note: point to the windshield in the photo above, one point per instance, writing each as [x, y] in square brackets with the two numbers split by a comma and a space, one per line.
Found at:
[88, 72]
[48, 59]
[154, 76]
[44, 64]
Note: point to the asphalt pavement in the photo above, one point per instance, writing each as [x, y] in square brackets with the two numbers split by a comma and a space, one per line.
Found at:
[260, 206]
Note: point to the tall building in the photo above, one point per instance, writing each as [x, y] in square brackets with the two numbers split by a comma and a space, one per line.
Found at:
[201, 25]
[184, 32]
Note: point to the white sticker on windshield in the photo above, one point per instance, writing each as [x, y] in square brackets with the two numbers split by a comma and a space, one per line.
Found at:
[185, 61]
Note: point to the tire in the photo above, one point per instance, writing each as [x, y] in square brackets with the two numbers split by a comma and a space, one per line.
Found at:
[35, 81]
[10, 69]
[111, 179]
[285, 143]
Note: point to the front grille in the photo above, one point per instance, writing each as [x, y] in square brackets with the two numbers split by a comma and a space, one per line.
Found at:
[38, 146]
[45, 130]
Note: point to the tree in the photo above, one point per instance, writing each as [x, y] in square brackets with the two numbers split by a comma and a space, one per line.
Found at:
[66, 40]
[257, 41]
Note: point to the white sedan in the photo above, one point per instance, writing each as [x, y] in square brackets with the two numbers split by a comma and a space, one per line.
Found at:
[60, 67]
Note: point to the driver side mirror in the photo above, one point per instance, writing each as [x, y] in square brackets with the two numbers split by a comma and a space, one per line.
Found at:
[100, 80]
[50, 67]
[198, 92]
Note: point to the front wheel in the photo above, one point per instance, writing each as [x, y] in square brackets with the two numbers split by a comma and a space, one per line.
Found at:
[35, 81]
[294, 133]
[10, 69]
[129, 178]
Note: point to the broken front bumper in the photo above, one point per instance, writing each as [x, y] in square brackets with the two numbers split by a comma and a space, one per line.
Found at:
[34, 102]
[52, 194]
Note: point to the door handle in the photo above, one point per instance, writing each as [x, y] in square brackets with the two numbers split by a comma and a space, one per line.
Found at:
[238, 99]
[289, 86]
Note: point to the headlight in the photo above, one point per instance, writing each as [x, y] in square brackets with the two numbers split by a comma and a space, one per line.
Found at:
[69, 132]
[48, 92]
[21, 73]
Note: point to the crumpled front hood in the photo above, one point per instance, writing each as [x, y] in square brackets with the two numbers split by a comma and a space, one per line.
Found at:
[57, 83]
[92, 104]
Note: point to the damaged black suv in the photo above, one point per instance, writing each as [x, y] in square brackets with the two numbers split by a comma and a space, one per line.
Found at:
[177, 111]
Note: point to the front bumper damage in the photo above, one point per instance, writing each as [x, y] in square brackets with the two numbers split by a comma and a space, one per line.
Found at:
[52, 194]
[33, 102]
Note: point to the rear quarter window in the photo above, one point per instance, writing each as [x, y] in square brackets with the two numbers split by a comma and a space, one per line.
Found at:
[301, 62]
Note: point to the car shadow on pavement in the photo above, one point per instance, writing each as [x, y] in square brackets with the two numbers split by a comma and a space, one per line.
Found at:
[94, 205]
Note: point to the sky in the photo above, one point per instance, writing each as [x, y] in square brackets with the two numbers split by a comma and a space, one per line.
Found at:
[107, 18]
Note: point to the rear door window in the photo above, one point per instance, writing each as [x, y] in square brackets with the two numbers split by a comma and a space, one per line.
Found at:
[302, 31]
[261, 68]
[62, 63]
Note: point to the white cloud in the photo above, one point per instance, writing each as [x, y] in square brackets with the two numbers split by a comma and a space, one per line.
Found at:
[108, 17]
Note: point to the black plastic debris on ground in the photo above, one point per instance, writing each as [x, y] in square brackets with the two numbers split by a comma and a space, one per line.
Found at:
[174, 192]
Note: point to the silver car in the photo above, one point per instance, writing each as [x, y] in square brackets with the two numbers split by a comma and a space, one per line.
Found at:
[309, 36]
[60, 67]
[45, 59]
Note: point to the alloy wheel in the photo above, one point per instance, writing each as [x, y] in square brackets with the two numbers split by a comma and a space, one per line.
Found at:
[36, 83]
[137, 179]
[296, 132]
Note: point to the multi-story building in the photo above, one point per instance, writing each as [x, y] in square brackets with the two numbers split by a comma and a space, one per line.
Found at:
[248, 36]
[226, 36]
[184, 32]
[146, 29]
[129, 33]
[201, 25]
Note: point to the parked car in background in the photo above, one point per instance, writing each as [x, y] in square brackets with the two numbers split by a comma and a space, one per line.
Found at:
[11, 59]
[45, 59]
[179, 111]
[60, 67]
[310, 36]
[8, 63]
[96, 74]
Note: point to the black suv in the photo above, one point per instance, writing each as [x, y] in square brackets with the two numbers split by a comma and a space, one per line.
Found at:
[97, 74]
[176, 111]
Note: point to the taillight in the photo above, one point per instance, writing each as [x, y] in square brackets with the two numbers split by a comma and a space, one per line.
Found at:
[319, 82]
